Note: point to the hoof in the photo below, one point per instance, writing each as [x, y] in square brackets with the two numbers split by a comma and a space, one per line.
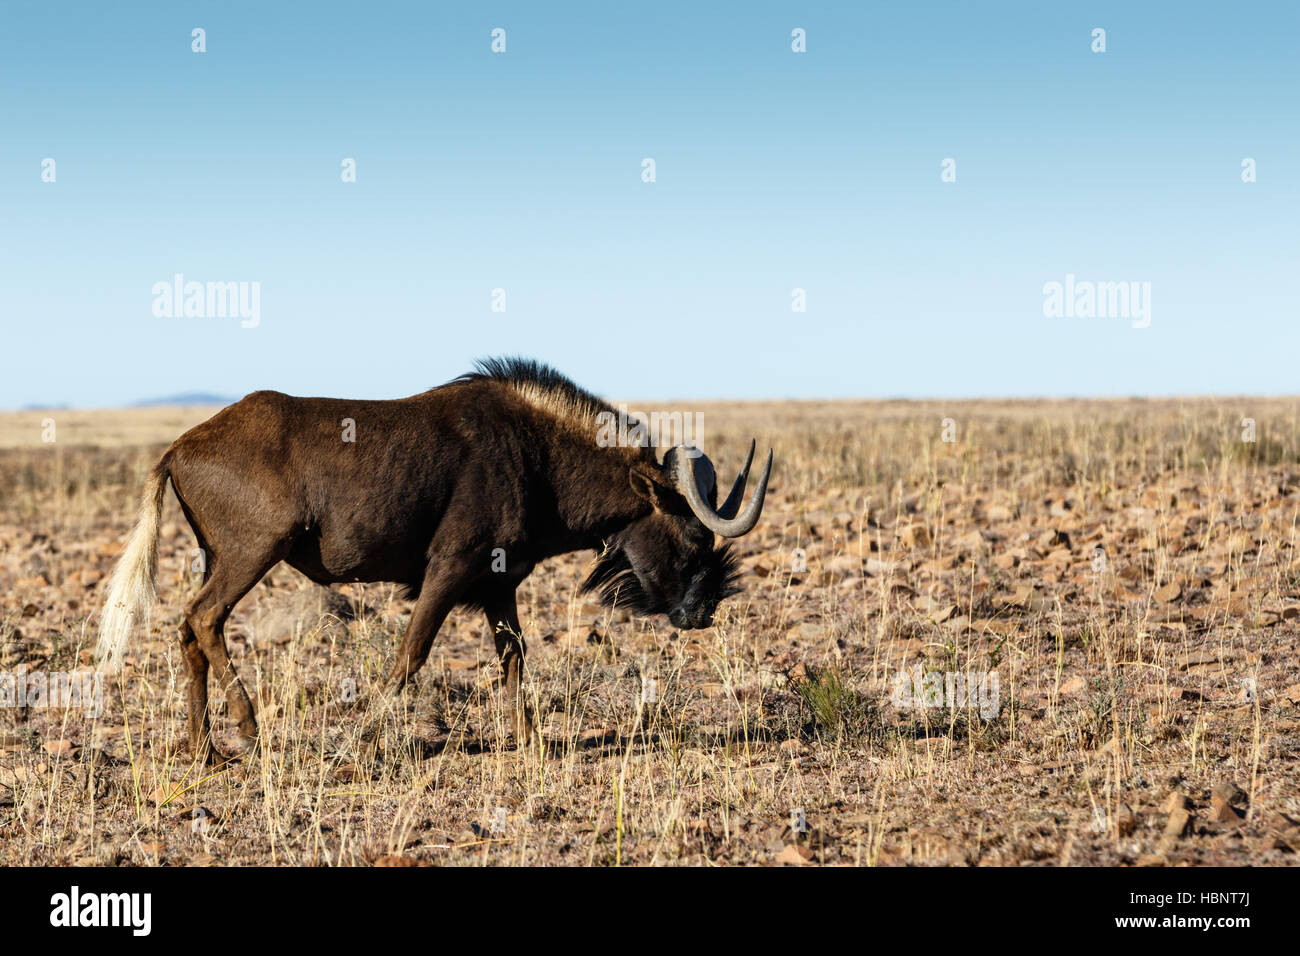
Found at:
[213, 759]
[369, 733]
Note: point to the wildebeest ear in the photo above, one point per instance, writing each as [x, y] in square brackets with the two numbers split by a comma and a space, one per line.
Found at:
[652, 488]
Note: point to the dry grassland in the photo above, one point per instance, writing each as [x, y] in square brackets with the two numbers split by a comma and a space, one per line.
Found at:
[1126, 569]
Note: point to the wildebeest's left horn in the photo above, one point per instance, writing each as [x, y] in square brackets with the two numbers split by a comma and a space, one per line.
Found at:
[688, 474]
[732, 504]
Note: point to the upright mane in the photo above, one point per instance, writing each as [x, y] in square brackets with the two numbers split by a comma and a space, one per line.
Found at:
[543, 388]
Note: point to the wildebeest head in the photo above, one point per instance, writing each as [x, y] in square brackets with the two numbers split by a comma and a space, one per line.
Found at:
[666, 562]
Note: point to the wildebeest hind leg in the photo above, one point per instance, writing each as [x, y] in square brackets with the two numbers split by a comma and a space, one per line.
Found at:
[196, 665]
[229, 580]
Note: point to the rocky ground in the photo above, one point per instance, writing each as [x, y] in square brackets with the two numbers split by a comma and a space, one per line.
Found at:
[1117, 580]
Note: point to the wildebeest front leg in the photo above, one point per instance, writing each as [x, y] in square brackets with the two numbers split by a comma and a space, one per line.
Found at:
[439, 593]
[503, 620]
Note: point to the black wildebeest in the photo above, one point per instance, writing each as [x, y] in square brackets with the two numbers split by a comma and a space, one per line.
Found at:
[456, 493]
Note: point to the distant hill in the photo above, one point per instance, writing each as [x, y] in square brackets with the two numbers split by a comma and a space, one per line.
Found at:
[187, 398]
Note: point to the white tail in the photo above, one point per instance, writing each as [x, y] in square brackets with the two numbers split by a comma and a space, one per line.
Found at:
[130, 589]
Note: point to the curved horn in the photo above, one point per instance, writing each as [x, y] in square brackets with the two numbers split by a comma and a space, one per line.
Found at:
[737, 494]
[726, 527]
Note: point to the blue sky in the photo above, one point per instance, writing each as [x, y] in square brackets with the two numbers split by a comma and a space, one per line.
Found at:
[774, 171]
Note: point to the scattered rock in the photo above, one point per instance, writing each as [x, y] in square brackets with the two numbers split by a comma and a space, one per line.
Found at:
[794, 856]
[1177, 801]
[1228, 792]
[1074, 686]
[915, 536]
[943, 613]
[1226, 813]
[1170, 592]
[165, 793]
[1179, 822]
[1224, 800]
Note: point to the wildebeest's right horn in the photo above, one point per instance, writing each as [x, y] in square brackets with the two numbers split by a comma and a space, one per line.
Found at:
[717, 521]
